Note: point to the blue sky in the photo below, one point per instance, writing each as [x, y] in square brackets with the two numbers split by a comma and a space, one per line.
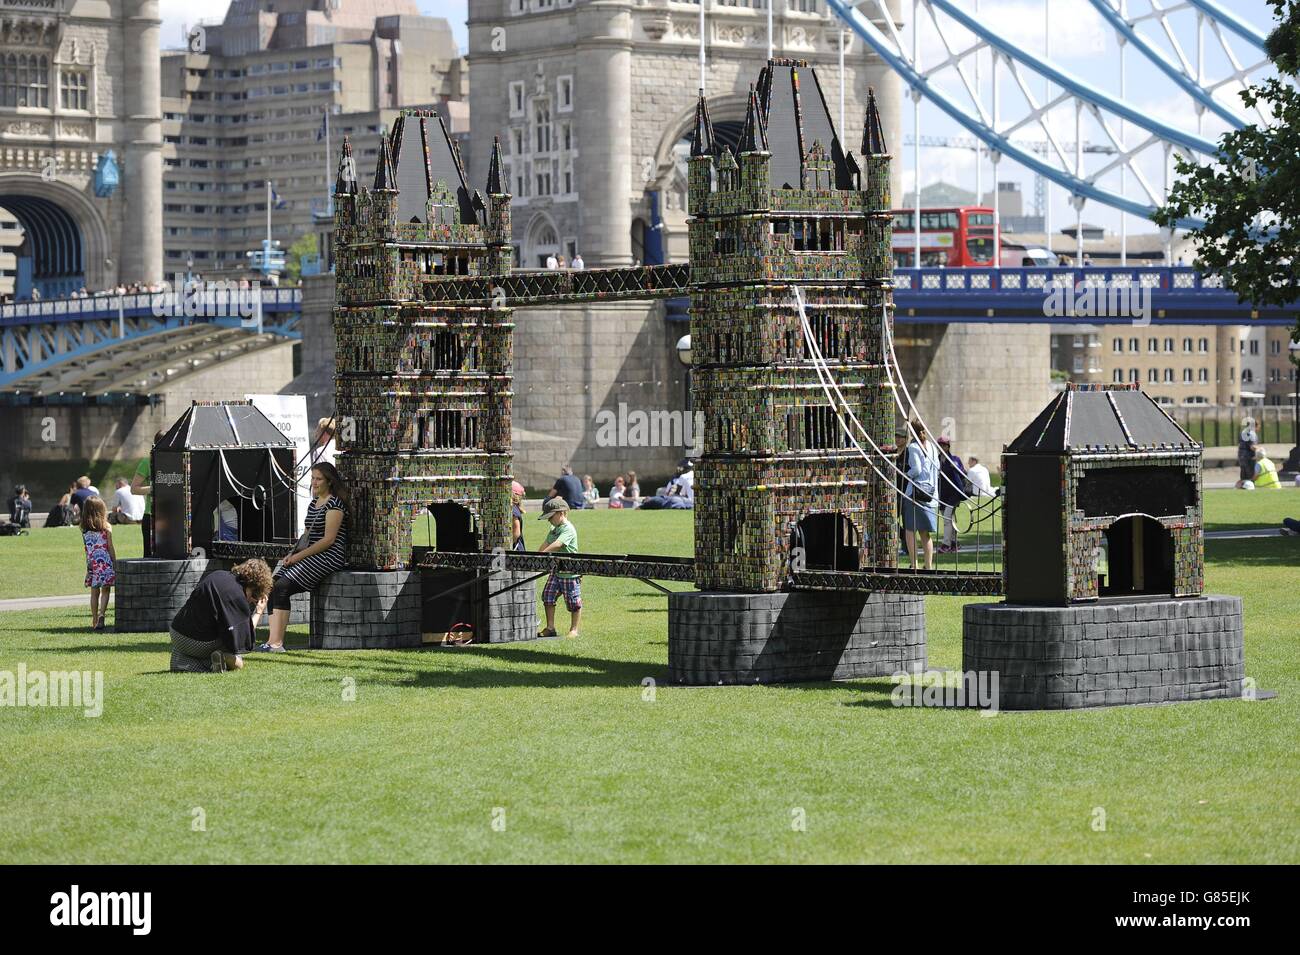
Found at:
[1081, 44]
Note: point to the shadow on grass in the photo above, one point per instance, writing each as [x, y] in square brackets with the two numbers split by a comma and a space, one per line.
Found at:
[156, 647]
[562, 670]
[1254, 552]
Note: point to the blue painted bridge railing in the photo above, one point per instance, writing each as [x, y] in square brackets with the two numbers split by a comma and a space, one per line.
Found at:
[1176, 295]
[37, 339]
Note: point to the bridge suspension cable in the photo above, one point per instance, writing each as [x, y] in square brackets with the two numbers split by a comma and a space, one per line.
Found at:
[965, 39]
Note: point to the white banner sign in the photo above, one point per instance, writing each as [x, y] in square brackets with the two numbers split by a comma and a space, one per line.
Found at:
[289, 414]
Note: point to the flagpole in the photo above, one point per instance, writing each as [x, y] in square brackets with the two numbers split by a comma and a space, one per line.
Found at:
[329, 193]
[269, 191]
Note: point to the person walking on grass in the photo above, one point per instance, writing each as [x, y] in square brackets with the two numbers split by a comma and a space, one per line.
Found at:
[517, 516]
[562, 539]
[952, 483]
[920, 510]
[100, 557]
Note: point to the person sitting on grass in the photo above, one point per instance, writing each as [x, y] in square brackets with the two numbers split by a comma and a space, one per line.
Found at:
[100, 572]
[617, 492]
[216, 625]
[1265, 470]
[562, 539]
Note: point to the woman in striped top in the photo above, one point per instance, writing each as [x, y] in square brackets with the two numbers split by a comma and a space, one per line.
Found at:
[322, 550]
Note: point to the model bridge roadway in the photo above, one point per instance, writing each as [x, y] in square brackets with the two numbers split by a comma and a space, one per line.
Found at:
[682, 569]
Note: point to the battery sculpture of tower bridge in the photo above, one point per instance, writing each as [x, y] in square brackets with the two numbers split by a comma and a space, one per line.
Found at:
[796, 530]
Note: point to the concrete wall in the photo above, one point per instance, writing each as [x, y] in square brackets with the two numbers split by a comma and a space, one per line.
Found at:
[990, 380]
[573, 362]
[106, 433]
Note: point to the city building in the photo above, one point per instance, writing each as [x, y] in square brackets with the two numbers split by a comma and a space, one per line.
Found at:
[594, 103]
[247, 102]
[78, 104]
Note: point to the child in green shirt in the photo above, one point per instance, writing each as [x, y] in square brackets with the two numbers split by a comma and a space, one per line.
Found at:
[562, 539]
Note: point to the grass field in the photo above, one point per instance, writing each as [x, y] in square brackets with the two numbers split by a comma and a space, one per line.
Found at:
[559, 740]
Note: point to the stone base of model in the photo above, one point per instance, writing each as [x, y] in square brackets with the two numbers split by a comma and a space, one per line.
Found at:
[1150, 651]
[149, 592]
[731, 638]
[384, 610]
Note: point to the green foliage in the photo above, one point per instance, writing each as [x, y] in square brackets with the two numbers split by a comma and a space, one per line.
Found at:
[305, 244]
[1250, 200]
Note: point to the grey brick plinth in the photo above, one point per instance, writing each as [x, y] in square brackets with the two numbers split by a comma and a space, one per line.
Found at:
[366, 610]
[1156, 651]
[510, 615]
[150, 592]
[733, 638]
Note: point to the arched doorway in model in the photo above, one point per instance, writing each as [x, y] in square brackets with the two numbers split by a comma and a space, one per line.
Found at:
[51, 259]
[1138, 558]
[829, 542]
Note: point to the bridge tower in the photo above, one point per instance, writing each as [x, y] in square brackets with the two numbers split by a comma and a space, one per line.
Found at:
[781, 485]
[422, 390]
[83, 158]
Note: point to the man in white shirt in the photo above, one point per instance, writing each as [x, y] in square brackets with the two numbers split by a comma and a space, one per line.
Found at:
[127, 508]
[978, 475]
[552, 262]
[578, 264]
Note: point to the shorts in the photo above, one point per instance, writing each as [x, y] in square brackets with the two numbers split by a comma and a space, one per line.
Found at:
[282, 592]
[571, 587]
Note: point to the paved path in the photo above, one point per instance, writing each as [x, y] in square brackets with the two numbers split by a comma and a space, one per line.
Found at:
[42, 603]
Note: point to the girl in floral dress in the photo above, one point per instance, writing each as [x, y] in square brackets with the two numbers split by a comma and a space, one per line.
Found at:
[100, 574]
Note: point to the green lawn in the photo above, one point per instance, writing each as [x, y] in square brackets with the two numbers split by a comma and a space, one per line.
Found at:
[560, 737]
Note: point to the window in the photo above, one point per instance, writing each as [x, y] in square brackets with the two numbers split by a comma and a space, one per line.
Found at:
[517, 99]
[1187, 344]
[1169, 345]
[1169, 375]
[1134, 344]
[1133, 375]
[24, 80]
[1117, 375]
[1078, 341]
[1247, 376]
[1254, 346]
[1275, 347]
[1117, 345]
[1153, 375]
[564, 94]
[544, 183]
[1078, 363]
[1203, 345]
[542, 125]
[73, 89]
[1203, 375]
[566, 136]
[517, 141]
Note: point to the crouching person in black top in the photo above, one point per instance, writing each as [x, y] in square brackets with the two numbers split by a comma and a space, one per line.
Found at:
[215, 626]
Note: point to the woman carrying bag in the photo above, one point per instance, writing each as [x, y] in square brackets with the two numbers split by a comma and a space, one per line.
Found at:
[921, 512]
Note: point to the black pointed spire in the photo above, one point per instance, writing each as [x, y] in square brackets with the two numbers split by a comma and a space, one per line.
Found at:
[385, 174]
[494, 186]
[753, 139]
[346, 182]
[702, 142]
[873, 133]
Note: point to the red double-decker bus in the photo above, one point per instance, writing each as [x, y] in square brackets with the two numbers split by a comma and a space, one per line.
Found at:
[950, 238]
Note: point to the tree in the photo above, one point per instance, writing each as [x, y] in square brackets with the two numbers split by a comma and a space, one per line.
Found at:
[1250, 197]
[305, 244]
